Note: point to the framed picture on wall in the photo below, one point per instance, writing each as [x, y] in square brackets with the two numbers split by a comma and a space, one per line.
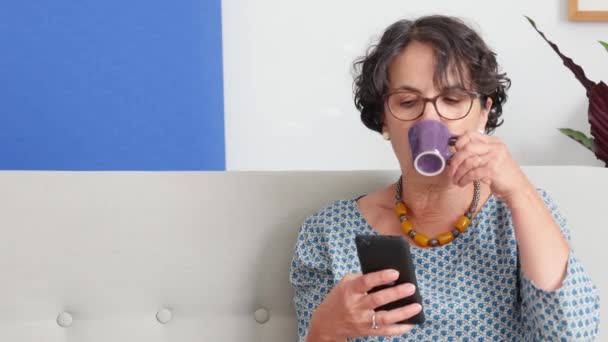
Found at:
[588, 10]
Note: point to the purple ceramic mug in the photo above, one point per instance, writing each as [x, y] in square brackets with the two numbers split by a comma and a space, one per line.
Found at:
[429, 145]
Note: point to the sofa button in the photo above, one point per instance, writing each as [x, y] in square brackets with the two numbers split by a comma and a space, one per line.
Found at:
[261, 315]
[64, 319]
[163, 316]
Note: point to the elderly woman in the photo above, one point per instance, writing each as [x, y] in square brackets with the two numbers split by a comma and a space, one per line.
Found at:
[511, 276]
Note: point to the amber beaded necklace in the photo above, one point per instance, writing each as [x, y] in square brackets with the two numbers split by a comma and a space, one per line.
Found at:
[424, 241]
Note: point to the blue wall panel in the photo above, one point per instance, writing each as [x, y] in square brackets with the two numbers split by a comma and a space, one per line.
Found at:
[111, 85]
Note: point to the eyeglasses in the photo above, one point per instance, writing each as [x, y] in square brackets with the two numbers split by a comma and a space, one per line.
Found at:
[407, 105]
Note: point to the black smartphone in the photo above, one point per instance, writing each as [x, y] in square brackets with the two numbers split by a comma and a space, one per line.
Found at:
[380, 252]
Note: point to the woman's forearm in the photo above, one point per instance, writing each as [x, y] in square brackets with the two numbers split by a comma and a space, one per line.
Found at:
[543, 250]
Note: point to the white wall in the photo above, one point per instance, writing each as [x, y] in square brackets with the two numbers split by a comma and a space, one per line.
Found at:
[288, 87]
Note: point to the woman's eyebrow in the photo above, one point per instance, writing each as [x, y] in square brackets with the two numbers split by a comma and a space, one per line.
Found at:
[452, 87]
[409, 88]
[405, 87]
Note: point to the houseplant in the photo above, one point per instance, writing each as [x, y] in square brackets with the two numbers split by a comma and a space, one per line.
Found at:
[597, 112]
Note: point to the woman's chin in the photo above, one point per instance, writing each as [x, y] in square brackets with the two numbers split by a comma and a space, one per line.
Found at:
[442, 178]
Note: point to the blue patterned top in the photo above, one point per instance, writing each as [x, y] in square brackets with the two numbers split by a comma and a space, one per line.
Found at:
[472, 288]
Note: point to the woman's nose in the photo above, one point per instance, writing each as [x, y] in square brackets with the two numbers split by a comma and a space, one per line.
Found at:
[429, 112]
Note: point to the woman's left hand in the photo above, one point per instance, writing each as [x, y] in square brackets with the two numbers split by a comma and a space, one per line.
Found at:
[487, 159]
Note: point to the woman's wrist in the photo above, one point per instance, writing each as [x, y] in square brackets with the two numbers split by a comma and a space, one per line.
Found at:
[316, 332]
[523, 198]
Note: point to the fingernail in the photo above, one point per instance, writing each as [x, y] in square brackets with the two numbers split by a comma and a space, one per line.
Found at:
[452, 141]
[410, 288]
[393, 274]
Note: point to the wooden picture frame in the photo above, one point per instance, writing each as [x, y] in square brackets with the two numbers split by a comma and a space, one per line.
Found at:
[574, 14]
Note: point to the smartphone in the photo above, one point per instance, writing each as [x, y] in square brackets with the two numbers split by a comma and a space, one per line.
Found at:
[380, 252]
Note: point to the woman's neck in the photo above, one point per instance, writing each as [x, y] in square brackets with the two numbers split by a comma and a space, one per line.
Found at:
[434, 202]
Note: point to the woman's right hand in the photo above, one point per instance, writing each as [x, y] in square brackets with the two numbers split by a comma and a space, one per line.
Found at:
[347, 310]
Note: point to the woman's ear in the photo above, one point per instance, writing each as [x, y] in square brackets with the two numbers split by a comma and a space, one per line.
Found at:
[485, 112]
[385, 134]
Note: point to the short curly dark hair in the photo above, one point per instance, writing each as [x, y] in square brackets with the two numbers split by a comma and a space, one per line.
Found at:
[458, 48]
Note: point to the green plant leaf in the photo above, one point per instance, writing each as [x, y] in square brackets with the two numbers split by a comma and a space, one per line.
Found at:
[604, 44]
[579, 137]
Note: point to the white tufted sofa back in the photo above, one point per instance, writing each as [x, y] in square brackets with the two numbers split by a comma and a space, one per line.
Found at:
[194, 256]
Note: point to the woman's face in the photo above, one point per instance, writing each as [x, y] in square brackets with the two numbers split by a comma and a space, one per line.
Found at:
[414, 69]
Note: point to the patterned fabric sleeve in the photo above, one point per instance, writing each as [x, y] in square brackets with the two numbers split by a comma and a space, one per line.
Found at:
[309, 275]
[570, 313]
